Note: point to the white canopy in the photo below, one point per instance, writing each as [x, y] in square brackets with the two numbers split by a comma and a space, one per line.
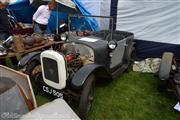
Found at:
[151, 20]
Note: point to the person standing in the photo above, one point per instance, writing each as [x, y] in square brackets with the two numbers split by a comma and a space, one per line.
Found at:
[41, 16]
[5, 26]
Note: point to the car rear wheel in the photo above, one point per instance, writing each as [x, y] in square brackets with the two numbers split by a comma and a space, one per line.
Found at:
[86, 97]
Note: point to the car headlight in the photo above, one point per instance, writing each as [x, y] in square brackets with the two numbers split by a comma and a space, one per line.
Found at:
[63, 36]
[112, 45]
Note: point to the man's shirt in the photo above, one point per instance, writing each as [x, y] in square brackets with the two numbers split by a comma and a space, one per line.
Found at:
[42, 15]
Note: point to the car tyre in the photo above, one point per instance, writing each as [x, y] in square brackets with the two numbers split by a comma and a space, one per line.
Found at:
[86, 97]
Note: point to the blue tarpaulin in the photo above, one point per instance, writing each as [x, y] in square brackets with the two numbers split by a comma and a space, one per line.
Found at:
[87, 23]
[93, 24]
[52, 24]
[22, 11]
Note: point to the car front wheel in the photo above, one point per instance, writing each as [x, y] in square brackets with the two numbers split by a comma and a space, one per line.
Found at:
[86, 97]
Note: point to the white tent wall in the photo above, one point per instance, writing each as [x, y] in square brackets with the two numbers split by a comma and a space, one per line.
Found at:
[99, 8]
[150, 20]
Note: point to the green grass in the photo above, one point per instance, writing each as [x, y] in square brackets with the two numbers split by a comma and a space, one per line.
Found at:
[133, 96]
[42, 99]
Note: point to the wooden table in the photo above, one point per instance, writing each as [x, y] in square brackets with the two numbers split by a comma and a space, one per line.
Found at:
[13, 54]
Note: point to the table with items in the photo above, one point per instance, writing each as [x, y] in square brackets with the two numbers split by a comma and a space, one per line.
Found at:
[20, 45]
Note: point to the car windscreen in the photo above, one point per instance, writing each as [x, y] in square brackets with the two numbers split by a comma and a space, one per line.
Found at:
[88, 25]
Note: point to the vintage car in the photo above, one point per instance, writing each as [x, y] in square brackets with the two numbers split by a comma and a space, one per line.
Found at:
[79, 59]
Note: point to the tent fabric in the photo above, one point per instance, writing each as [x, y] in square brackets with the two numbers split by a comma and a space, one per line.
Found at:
[155, 24]
[150, 49]
[155, 20]
[98, 8]
[68, 3]
[66, 6]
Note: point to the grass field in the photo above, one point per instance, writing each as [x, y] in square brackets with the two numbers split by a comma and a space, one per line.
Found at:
[133, 96]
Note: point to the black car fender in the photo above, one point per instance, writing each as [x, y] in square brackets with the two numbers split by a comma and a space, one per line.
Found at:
[83, 73]
[28, 58]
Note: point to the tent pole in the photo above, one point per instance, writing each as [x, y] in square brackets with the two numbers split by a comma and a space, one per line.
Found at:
[57, 19]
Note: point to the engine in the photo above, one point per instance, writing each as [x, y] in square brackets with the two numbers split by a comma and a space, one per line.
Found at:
[76, 56]
[73, 63]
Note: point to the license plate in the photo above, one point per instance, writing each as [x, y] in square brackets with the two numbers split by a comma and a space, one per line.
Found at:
[52, 91]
